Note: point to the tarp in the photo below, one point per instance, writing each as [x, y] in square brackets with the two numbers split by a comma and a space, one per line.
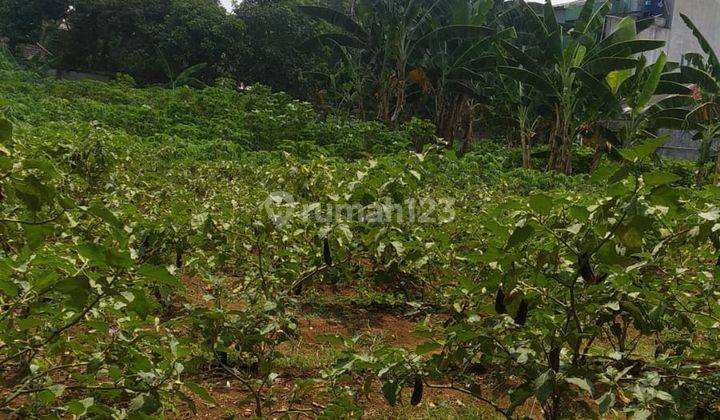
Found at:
[654, 7]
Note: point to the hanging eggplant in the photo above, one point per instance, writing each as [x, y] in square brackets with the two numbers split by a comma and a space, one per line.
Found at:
[298, 288]
[222, 357]
[500, 302]
[554, 358]
[601, 278]
[417, 394]
[585, 270]
[522, 313]
[327, 256]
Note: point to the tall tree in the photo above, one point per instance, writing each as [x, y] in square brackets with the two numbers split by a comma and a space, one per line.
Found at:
[151, 40]
[275, 52]
[23, 21]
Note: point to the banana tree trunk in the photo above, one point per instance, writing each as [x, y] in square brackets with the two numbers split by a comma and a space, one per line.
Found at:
[600, 147]
[449, 118]
[469, 132]
[399, 103]
[717, 166]
[565, 165]
[567, 133]
[525, 143]
[554, 132]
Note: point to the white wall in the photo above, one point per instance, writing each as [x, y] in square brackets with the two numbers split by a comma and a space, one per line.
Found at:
[679, 39]
[706, 16]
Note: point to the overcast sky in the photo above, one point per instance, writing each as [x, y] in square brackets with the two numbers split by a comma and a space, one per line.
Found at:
[228, 3]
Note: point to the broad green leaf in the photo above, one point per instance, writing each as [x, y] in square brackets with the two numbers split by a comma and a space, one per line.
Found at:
[519, 236]
[606, 402]
[100, 256]
[666, 87]
[650, 146]
[425, 348]
[592, 18]
[6, 131]
[334, 18]
[145, 403]
[541, 204]
[628, 48]
[529, 78]
[555, 32]
[519, 55]
[35, 235]
[605, 65]
[595, 87]
[52, 393]
[390, 390]
[93, 253]
[580, 383]
[200, 392]
[660, 178]
[160, 275]
[106, 215]
[644, 24]
[41, 165]
[625, 31]
[8, 287]
[700, 78]
[518, 396]
[80, 407]
[647, 148]
[651, 83]
[452, 32]
[544, 385]
[616, 78]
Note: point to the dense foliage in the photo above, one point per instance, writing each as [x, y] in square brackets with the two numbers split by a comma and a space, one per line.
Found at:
[151, 260]
[154, 41]
[114, 198]
[475, 68]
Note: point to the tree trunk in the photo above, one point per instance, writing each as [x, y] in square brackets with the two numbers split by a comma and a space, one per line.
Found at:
[525, 142]
[399, 103]
[565, 163]
[600, 147]
[566, 166]
[468, 133]
[552, 141]
[717, 166]
[450, 120]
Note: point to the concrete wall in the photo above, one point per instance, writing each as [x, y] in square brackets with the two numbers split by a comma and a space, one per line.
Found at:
[679, 39]
[706, 16]
[78, 75]
[682, 146]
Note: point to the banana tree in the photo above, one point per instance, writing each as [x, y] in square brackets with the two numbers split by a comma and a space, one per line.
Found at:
[643, 114]
[703, 75]
[390, 36]
[382, 32]
[570, 62]
[454, 69]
